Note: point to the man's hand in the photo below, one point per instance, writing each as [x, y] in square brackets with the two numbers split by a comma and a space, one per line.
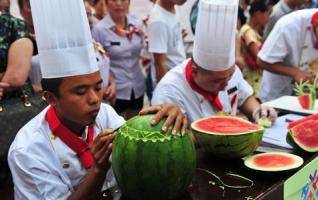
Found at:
[3, 86]
[173, 114]
[304, 76]
[110, 91]
[264, 112]
[101, 150]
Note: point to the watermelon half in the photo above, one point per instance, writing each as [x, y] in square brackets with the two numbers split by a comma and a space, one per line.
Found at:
[227, 136]
[150, 164]
[273, 161]
[304, 133]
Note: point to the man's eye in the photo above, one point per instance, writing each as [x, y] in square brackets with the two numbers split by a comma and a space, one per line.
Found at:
[80, 92]
[98, 87]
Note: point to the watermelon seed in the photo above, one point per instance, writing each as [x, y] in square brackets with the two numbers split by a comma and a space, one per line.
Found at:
[211, 183]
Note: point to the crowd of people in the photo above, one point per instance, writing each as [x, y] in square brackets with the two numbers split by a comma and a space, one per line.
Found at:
[90, 59]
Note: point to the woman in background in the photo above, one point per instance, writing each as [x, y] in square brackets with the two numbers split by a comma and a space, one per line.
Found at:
[120, 34]
[251, 42]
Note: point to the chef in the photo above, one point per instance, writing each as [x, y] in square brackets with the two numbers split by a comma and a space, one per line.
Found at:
[210, 82]
[60, 154]
[289, 54]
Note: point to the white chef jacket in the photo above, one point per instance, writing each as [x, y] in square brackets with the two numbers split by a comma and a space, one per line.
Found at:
[289, 42]
[174, 88]
[43, 167]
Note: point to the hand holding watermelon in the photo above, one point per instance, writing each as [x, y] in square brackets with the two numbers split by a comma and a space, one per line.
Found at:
[173, 114]
[264, 115]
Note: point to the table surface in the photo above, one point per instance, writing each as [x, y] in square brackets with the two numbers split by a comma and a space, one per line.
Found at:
[202, 187]
[267, 185]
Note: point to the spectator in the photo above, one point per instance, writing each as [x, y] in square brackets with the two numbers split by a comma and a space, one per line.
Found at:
[103, 62]
[121, 35]
[283, 7]
[251, 42]
[15, 54]
[100, 9]
[289, 54]
[165, 37]
[35, 71]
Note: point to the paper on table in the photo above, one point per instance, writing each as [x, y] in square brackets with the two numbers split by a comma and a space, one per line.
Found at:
[277, 134]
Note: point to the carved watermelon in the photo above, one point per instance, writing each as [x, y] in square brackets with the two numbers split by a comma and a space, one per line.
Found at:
[227, 137]
[305, 101]
[273, 161]
[149, 164]
[304, 133]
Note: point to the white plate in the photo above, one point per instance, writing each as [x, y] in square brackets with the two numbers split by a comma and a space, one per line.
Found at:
[290, 103]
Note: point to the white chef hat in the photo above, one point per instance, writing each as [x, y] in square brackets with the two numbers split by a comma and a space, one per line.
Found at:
[214, 41]
[63, 38]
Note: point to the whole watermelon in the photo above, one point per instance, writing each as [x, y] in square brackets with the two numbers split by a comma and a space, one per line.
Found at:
[149, 164]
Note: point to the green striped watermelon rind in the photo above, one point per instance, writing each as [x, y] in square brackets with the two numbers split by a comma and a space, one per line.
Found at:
[229, 146]
[249, 162]
[152, 168]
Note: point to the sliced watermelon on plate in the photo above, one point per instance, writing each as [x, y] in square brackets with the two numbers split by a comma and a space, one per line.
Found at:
[273, 161]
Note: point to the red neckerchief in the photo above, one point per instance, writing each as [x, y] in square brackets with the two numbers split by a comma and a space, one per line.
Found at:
[313, 24]
[72, 140]
[128, 33]
[211, 97]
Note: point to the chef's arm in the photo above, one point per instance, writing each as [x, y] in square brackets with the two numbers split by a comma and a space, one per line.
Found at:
[287, 70]
[249, 106]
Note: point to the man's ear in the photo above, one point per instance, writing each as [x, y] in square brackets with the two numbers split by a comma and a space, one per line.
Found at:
[50, 98]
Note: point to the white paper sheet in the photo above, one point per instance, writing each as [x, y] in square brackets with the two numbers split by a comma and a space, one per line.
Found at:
[277, 134]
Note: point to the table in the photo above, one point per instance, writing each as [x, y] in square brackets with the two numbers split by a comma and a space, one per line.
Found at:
[267, 185]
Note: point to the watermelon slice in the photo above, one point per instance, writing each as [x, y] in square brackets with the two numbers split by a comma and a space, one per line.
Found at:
[305, 101]
[295, 123]
[273, 161]
[227, 136]
[305, 135]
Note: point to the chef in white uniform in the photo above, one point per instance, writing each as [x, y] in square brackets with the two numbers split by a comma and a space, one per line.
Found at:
[60, 154]
[210, 82]
[289, 54]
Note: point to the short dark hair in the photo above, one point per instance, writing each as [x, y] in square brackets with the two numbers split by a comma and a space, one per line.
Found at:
[52, 85]
[258, 5]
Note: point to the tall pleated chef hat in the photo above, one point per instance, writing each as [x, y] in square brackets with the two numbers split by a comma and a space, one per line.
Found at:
[63, 38]
[214, 41]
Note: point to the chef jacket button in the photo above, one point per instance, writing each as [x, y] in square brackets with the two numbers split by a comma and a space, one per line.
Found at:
[66, 165]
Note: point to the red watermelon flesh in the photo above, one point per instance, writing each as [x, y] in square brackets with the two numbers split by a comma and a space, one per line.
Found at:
[306, 134]
[305, 101]
[294, 123]
[225, 126]
[273, 161]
